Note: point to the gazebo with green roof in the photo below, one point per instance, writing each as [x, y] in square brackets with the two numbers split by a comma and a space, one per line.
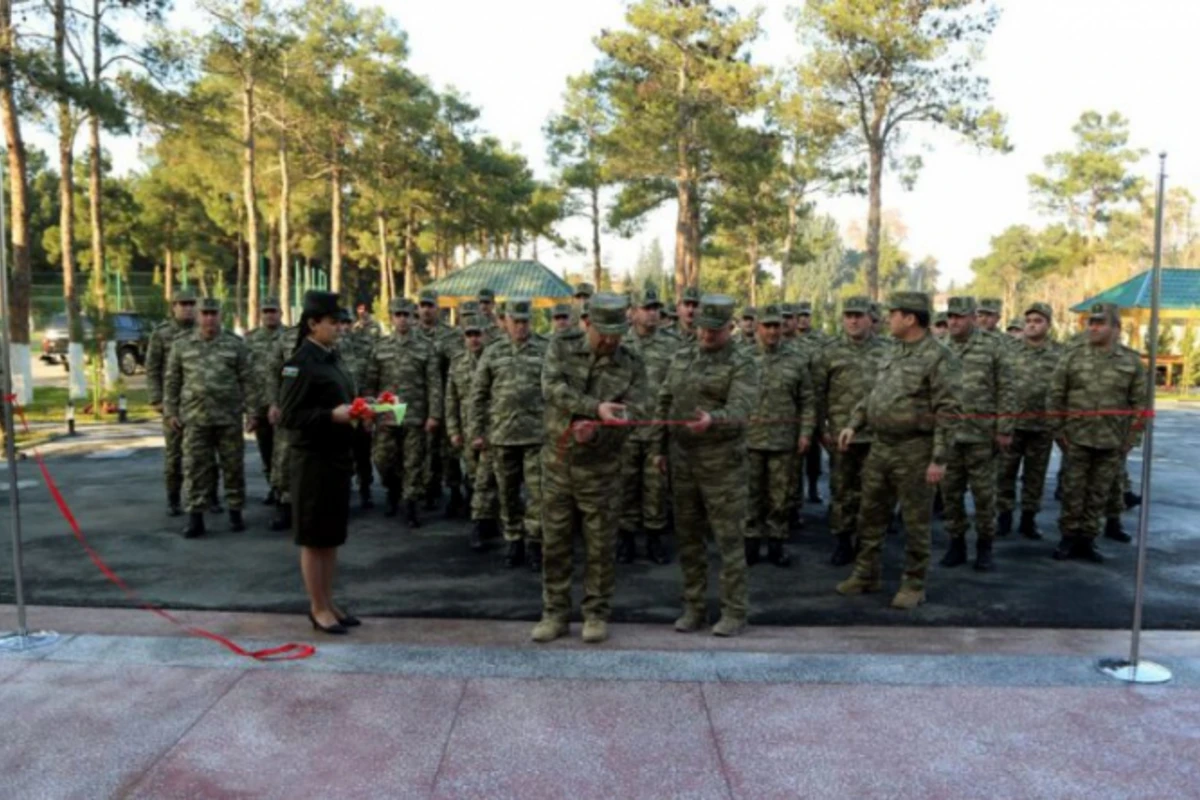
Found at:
[506, 279]
[1179, 306]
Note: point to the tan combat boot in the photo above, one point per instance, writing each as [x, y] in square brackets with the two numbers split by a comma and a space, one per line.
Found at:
[693, 619]
[595, 631]
[729, 626]
[549, 629]
[858, 584]
[908, 598]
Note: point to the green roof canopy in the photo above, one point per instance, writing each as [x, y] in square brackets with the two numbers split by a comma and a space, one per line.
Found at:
[1180, 291]
[505, 278]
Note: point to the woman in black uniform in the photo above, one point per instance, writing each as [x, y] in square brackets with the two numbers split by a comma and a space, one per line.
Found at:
[315, 399]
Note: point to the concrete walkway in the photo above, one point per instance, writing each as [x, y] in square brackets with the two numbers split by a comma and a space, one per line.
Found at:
[126, 707]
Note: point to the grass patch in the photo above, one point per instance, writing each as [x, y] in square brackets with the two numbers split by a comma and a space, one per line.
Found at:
[50, 405]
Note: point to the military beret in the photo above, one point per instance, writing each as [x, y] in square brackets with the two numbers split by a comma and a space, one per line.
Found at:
[1016, 324]
[269, 304]
[749, 312]
[184, 296]
[1109, 312]
[941, 318]
[211, 304]
[561, 310]
[990, 305]
[400, 305]
[316, 304]
[716, 310]
[607, 313]
[468, 307]
[691, 294]
[1041, 308]
[856, 304]
[429, 296]
[787, 310]
[771, 314]
[804, 309]
[962, 306]
[650, 298]
[519, 309]
[584, 290]
[914, 302]
[486, 295]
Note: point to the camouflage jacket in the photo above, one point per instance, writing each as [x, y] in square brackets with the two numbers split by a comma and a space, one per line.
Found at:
[917, 393]
[574, 384]
[355, 350]
[208, 379]
[407, 367]
[656, 351]
[1105, 379]
[158, 353]
[371, 328]
[785, 409]
[506, 396]
[260, 342]
[458, 392]
[445, 339]
[1032, 368]
[285, 345]
[843, 373]
[988, 400]
[723, 383]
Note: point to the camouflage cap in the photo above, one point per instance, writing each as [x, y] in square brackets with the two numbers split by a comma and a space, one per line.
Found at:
[210, 304]
[1107, 312]
[1041, 308]
[962, 306]
[691, 294]
[876, 310]
[472, 323]
[428, 297]
[716, 311]
[468, 307]
[941, 318]
[749, 312]
[608, 313]
[771, 314]
[486, 295]
[184, 296]
[561, 310]
[804, 309]
[519, 309]
[650, 298]
[584, 290]
[1016, 324]
[856, 304]
[787, 310]
[400, 305]
[269, 304]
[990, 305]
[914, 302]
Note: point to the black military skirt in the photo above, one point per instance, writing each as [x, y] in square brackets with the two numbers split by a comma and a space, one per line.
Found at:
[320, 498]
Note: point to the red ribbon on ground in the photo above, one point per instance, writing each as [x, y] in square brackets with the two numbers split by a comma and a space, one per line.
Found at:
[286, 652]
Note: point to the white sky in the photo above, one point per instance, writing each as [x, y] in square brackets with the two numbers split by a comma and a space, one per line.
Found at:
[1048, 61]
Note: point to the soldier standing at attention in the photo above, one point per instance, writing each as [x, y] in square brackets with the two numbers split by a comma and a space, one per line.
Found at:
[1016, 329]
[778, 435]
[405, 364]
[747, 326]
[583, 293]
[843, 373]
[440, 462]
[366, 324]
[988, 316]
[689, 301]
[260, 342]
[492, 329]
[814, 340]
[715, 384]
[913, 410]
[1100, 376]
[988, 403]
[207, 380]
[561, 318]
[1033, 361]
[506, 418]
[644, 488]
[281, 461]
[588, 379]
[355, 351]
[183, 320]
[458, 424]
[941, 326]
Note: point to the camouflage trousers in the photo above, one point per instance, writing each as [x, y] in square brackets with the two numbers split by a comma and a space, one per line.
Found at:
[399, 455]
[441, 462]
[708, 488]
[770, 500]
[281, 464]
[485, 500]
[204, 447]
[971, 466]
[514, 465]
[1115, 505]
[845, 488]
[172, 459]
[568, 490]
[643, 489]
[1088, 479]
[1029, 456]
[894, 472]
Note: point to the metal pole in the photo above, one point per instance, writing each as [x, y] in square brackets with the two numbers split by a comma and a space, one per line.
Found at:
[1135, 670]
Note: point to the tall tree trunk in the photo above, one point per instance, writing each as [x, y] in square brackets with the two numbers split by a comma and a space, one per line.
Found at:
[335, 246]
[410, 267]
[285, 231]
[273, 258]
[385, 289]
[694, 234]
[596, 259]
[874, 217]
[789, 241]
[248, 196]
[95, 199]
[240, 286]
[169, 276]
[18, 319]
[683, 219]
[66, 178]
[753, 253]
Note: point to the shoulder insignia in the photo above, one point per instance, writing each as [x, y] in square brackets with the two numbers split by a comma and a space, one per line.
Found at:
[290, 371]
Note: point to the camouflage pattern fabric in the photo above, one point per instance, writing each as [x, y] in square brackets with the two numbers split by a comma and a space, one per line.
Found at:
[399, 454]
[1088, 479]
[971, 466]
[1032, 368]
[512, 466]
[260, 342]
[281, 470]
[157, 354]
[204, 448]
[894, 473]
[1029, 457]
[772, 484]
[845, 487]
[643, 487]
[484, 501]
[407, 366]
[506, 394]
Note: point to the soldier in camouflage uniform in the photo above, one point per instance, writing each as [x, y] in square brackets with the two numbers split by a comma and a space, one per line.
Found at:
[583, 293]
[644, 487]
[843, 372]
[812, 340]
[366, 325]
[206, 388]
[689, 301]
[913, 410]
[715, 384]
[747, 327]
[881, 322]
[561, 320]
[989, 404]
[440, 459]
[260, 342]
[484, 501]
[589, 378]
[405, 364]
[355, 350]
[281, 469]
[779, 433]
[987, 314]
[182, 322]
[492, 330]
[941, 326]
[1033, 365]
[1100, 376]
[1016, 329]
[506, 418]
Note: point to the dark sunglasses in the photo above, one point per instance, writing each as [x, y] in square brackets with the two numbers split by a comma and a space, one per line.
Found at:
[400, 314]
[210, 313]
[474, 333]
[770, 325]
[186, 303]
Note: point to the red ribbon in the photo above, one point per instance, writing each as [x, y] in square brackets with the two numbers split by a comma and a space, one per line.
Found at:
[286, 652]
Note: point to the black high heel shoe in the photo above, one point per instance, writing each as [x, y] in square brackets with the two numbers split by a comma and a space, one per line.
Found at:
[337, 628]
[349, 621]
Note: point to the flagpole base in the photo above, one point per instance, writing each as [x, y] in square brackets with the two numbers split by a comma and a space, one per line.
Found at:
[1142, 672]
[24, 642]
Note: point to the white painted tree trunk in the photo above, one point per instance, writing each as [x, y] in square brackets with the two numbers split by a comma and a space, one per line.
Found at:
[112, 370]
[22, 377]
[77, 385]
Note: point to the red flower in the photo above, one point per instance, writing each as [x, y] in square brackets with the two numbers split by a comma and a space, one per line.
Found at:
[387, 399]
[359, 409]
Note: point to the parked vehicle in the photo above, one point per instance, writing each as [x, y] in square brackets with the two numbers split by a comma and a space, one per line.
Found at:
[131, 332]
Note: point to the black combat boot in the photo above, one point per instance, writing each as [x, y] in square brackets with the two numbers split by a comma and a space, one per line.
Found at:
[957, 554]
[515, 555]
[282, 521]
[843, 551]
[1004, 523]
[195, 526]
[477, 537]
[533, 551]
[776, 553]
[626, 548]
[983, 556]
[1065, 549]
[753, 550]
[272, 496]
[1029, 528]
[236, 523]
[1132, 500]
[1114, 531]
[1085, 550]
[455, 506]
[174, 508]
[393, 504]
[656, 551]
[814, 495]
[364, 494]
[410, 514]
